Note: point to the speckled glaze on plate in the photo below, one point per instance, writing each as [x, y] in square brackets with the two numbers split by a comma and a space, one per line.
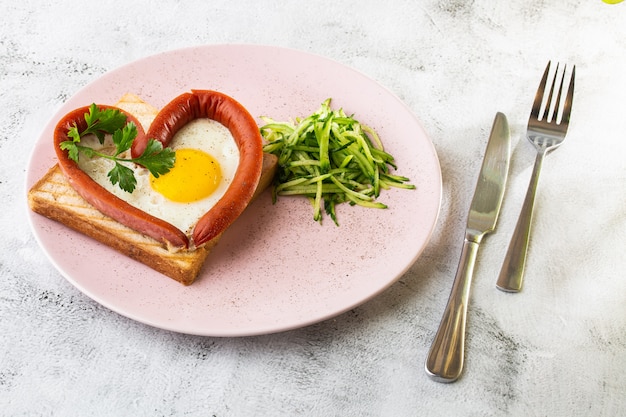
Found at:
[275, 269]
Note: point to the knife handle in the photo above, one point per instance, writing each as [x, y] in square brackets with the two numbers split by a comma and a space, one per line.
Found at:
[446, 355]
[512, 273]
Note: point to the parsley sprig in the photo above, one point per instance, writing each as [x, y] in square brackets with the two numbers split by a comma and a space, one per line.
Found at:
[100, 122]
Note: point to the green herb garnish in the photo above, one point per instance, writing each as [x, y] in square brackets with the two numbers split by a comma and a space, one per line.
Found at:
[331, 158]
[100, 122]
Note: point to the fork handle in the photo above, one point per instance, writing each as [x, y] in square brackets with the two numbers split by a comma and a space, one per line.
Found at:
[512, 272]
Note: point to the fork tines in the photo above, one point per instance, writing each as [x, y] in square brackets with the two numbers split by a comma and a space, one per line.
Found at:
[549, 110]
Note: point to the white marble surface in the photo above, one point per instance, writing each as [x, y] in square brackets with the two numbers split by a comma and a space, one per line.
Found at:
[556, 349]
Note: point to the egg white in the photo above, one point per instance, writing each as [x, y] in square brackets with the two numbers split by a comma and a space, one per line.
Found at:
[203, 134]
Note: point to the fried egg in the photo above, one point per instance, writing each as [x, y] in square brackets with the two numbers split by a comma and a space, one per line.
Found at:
[207, 159]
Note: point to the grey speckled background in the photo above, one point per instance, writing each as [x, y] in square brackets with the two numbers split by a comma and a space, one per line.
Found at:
[557, 349]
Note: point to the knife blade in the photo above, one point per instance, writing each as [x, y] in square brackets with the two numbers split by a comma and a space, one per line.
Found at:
[446, 356]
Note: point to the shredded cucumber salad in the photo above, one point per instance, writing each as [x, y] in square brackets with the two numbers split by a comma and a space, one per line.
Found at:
[330, 158]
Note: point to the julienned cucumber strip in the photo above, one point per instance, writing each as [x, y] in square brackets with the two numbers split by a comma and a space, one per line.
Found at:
[330, 158]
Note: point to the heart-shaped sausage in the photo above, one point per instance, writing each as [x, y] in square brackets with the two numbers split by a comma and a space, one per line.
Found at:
[171, 118]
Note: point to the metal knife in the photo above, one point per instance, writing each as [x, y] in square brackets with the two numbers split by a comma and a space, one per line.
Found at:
[446, 355]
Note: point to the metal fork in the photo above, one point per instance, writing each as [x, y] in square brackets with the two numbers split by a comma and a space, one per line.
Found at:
[546, 131]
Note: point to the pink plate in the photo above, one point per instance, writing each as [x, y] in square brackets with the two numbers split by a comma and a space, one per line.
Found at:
[275, 269]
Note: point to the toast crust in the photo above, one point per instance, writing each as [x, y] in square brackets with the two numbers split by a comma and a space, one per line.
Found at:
[53, 197]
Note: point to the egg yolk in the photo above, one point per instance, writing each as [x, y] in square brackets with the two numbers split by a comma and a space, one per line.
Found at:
[195, 175]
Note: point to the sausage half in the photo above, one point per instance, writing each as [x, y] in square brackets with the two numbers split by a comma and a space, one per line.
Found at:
[101, 198]
[242, 126]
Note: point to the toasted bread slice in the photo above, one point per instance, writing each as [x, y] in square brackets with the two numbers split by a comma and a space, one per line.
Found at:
[53, 197]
